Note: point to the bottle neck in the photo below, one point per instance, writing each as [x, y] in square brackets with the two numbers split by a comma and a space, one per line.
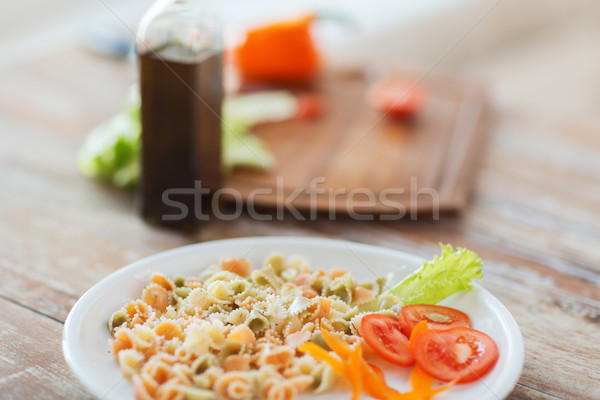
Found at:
[179, 30]
[160, 5]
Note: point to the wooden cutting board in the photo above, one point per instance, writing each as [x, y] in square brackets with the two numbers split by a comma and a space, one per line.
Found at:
[362, 164]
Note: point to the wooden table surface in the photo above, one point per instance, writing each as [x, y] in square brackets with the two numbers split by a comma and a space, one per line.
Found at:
[533, 215]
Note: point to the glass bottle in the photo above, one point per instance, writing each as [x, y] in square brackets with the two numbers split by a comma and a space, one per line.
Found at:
[179, 48]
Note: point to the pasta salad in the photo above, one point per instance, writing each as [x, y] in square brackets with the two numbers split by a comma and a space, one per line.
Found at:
[234, 332]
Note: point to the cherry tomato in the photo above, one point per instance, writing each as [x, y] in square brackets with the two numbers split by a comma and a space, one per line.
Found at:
[384, 335]
[397, 97]
[309, 106]
[459, 352]
[437, 317]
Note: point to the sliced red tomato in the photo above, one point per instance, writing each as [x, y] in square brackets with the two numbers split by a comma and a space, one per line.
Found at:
[397, 97]
[457, 353]
[437, 317]
[384, 335]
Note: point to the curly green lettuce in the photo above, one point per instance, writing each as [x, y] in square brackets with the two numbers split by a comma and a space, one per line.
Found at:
[111, 152]
[453, 272]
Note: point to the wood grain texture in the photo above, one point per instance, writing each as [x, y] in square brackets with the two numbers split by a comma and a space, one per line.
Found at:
[31, 362]
[532, 216]
[375, 164]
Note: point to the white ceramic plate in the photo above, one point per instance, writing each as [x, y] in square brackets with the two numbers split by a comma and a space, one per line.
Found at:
[85, 335]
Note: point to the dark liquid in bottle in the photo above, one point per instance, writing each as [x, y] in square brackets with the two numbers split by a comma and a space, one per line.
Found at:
[181, 138]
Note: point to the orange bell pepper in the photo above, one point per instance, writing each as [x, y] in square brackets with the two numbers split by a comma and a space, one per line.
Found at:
[368, 377]
[422, 386]
[420, 381]
[373, 381]
[354, 372]
[417, 330]
[282, 52]
[336, 344]
[320, 354]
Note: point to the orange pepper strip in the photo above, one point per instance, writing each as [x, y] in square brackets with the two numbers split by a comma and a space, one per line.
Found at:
[378, 372]
[422, 386]
[380, 377]
[408, 396]
[336, 344]
[354, 372]
[374, 382]
[320, 354]
[420, 381]
[417, 330]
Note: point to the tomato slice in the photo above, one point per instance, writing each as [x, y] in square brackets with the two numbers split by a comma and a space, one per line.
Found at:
[437, 317]
[397, 97]
[384, 335]
[457, 353]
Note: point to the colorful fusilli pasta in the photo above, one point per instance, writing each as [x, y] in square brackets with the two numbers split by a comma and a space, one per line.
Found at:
[233, 332]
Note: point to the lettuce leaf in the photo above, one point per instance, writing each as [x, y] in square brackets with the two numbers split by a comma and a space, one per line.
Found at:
[243, 149]
[438, 279]
[111, 151]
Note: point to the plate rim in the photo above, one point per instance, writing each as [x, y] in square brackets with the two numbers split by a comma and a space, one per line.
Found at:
[70, 333]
